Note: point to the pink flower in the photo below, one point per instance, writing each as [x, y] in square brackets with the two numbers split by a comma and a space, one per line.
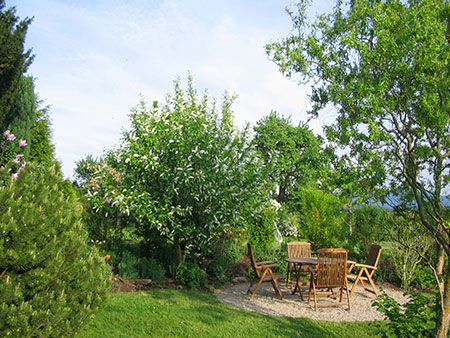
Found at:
[21, 167]
[22, 143]
[9, 136]
[17, 158]
[14, 176]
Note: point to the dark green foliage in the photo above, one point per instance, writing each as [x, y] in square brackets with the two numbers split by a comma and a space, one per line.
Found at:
[128, 266]
[14, 61]
[22, 114]
[50, 278]
[225, 253]
[150, 268]
[367, 225]
[42, 150]
[414, 319]
[191, 274]
[133, 267]
[423, 277]
[292, 155]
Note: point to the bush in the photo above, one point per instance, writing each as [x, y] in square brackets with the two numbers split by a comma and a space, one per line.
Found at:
[133, 267]
[367, 228]
[321, 218]
[417, 318]
[51, 280]
[192, 275]
[128, 266]
[149, 268]
[261, 233]
[225, 253]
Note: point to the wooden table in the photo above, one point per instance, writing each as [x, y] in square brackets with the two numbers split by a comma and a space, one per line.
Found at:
[299, 262]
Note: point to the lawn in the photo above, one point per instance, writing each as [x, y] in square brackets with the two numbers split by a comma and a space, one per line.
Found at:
[187, 313]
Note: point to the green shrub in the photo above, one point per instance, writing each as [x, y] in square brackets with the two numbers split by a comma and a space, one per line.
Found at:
[133, 267]
[321, 218]
[367, 225]
[149, 268]
[416, 318]
[51, 280]
[191, 274]
[225, 253]
[128, 266]
[261, 232]
[424, 277]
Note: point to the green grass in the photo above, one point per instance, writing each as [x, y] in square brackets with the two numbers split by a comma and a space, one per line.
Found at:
[186, 313]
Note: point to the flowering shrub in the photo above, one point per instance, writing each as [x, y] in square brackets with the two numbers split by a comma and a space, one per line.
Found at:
[9, 158]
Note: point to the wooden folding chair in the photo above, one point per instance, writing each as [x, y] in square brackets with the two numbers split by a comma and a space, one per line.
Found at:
[330, 273]
[366, 270]
[263, 273]
[296, 249]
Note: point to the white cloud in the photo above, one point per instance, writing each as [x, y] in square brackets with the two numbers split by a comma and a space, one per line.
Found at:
[93, 58]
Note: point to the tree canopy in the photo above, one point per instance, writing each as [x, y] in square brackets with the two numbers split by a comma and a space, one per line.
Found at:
[384, 67]
[184, 170]
[293, 155]
[14, 60]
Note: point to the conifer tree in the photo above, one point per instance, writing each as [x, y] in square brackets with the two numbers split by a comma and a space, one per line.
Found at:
[51, 279]
[14, 60]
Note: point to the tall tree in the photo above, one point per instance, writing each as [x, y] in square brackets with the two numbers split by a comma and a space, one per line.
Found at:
[22, 113]
[14, 60]
[292, 154]
[384, 66]
[42, 149]
[184, 171]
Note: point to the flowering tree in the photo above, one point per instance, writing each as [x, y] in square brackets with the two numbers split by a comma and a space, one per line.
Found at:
[184, 171]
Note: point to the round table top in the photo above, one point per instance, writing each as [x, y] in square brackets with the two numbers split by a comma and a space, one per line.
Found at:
[302, 260]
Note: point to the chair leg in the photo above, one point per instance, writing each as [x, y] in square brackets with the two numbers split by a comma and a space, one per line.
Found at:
[357, 280]
[251, 284]
[256, 289]
[315, 297]
[348, 298]
[374, 288]
[277, 288]
[288, 272]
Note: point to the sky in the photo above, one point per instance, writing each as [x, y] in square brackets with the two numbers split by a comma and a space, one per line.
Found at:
[94, 59]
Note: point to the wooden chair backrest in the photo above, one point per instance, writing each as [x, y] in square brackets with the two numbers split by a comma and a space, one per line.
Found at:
[331, 268]
[299, 249]
[374, 255]
[252, 259]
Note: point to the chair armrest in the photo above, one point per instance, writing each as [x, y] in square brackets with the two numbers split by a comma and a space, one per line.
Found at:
[263, 262]
[265, 266]
[351, 262]
[359, 265]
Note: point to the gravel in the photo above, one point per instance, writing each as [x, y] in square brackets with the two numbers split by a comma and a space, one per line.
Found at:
[267, 302]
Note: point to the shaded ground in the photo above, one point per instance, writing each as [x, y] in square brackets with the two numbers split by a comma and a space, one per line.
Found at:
[125, 285]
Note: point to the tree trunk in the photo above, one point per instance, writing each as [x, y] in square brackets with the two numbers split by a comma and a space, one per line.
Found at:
[440, 260]
[443, 314]
[181, 255]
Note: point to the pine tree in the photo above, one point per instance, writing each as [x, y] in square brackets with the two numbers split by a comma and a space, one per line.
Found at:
[51, 279]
